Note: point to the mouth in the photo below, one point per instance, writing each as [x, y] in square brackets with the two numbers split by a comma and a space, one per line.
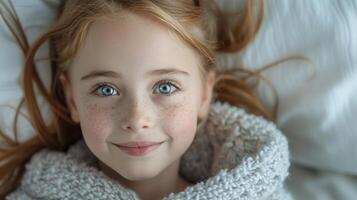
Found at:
[138, 144]
[138, 148]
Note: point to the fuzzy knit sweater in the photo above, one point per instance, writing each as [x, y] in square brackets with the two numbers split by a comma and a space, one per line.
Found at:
[234, 155]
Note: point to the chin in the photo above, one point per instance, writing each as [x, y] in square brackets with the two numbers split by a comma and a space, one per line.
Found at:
[139, 175]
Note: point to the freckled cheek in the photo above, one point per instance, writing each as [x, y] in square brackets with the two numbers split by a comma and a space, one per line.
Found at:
[180, 122]
[95, 123]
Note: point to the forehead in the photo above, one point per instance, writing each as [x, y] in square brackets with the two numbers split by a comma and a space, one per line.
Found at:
[135, 42]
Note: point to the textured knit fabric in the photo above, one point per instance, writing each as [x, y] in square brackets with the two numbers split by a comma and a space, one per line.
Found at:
[234, 155]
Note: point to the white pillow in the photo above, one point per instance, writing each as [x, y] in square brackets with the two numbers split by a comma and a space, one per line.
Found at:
[36, 17]
[318, 116]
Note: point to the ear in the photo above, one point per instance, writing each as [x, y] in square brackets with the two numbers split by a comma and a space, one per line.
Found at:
[207, 94]
[67, 90]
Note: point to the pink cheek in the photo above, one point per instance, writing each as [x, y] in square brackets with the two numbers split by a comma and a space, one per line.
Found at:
[95, 122]
[180, 122]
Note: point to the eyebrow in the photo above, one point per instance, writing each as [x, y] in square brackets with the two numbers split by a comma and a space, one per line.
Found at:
[113, 74]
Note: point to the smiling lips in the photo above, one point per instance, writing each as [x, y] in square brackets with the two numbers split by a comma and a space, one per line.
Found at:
[138, 144]
[138, 148]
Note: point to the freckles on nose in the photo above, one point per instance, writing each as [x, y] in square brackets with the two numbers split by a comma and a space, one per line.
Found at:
[123, 113]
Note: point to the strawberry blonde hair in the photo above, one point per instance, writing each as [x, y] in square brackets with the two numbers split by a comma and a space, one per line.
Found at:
[199, 23]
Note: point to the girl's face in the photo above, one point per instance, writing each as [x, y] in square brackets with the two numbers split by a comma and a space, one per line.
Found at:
[135, 80]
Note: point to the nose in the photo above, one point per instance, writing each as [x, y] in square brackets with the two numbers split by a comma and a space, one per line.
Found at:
[138, 117]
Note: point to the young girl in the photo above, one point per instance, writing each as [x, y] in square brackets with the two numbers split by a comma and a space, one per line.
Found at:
[141, 111]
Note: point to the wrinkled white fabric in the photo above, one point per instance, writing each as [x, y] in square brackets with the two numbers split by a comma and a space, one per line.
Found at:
[311, 184]
[36, 17]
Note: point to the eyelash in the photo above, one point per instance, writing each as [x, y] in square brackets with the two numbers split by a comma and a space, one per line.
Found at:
[169, 82]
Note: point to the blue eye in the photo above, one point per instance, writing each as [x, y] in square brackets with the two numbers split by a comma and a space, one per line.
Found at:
[167, 87]
[105, 90]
